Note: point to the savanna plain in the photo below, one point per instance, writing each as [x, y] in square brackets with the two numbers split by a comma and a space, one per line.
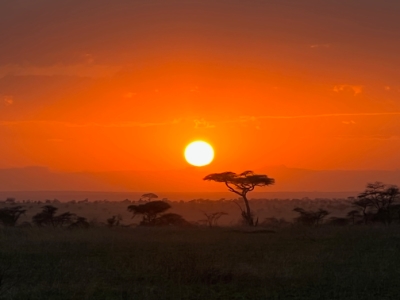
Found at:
[276, 260]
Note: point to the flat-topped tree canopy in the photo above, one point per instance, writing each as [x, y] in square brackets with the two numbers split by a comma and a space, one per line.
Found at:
[148, 196]
[241, 184]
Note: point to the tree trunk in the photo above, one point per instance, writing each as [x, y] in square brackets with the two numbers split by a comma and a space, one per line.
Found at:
[247, 213]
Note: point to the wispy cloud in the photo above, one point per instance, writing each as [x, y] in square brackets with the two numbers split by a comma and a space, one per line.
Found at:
[81, 70]
[351, 122]
[89, 124]
[254, 118]
[201, 123]
[123, 124]
[8, 100]
[356, 89]
[129, 95]
[370, 137]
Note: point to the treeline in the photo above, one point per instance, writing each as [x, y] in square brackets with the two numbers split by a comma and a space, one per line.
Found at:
[376, 204]
[153, 213]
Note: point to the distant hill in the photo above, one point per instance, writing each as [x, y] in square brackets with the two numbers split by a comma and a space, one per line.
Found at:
[189, 180]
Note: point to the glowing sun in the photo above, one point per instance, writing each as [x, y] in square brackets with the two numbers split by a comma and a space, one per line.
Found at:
[199, 153]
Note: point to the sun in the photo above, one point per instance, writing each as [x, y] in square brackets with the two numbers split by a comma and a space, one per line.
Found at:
[199, 153]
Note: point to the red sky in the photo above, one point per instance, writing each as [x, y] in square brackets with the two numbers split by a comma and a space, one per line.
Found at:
[102, 85]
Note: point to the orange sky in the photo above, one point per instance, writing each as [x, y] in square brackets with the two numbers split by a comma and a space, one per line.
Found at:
[125, 85]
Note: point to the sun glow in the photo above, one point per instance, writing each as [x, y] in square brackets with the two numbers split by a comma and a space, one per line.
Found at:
[199, 153]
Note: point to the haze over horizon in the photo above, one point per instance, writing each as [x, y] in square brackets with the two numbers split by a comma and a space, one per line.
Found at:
[101, 86]
[289, 181]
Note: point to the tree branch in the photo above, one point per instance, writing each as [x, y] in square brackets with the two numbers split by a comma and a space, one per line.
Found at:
[238, 206]
[232, 189]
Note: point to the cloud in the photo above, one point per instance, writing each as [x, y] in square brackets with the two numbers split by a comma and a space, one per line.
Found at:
[129, 95]
[201, 123]
[243, 119]
[253, 118]
[122, 124]
[370, 137]
[356, 89]
[81, 70]
[89, 124]
[8, 100]
[349, 122]
[250, 119]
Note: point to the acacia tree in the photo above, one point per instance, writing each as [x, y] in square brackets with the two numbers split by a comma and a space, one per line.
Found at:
[10, 215]
[212, 218]
[149, 211]
[381, 197]
[353, 215]
[114, 221]
[310, 217]
[241, 184]
[148, 197]
[48, 217]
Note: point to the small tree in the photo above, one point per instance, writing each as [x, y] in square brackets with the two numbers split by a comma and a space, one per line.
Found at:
[63, 219]
[47, 217]
[364, 205]
[10, 215]
[212, 218]
[171, 219]
[80, 222]
[353, 215]
[149, 211]
[310, 217]
[241, 184]
[148, 197]
[114, 221]
[381, 197]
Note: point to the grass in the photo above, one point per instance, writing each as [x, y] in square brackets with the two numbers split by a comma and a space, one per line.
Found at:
[165, 263]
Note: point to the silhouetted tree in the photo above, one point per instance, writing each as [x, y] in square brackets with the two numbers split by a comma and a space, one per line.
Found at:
[241, 184]
[148, 197]
[149, 211]
[353, 215]
[47, 217]
[114, 221]
[381, 197]
[10, 215]
[212, 218]
[10, 200]
[171, 219]
[310, 217]
[80, 222]
[364, 205]
[63, 219]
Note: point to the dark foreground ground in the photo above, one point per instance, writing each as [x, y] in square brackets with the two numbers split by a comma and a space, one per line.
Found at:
[147, 263]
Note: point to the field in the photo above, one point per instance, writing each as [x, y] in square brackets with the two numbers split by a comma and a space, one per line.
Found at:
[350, 262]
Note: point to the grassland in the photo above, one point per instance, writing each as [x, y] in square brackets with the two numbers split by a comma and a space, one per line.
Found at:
[351, 262]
